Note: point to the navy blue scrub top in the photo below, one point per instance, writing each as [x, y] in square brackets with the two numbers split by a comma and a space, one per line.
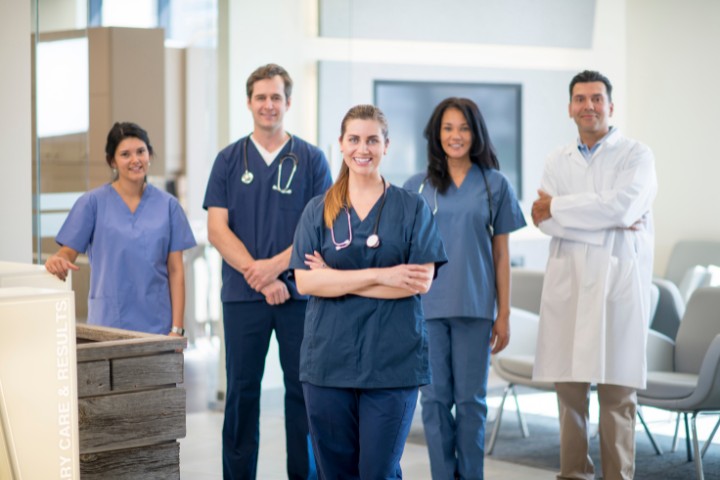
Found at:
[359, 342]
[466, 286]
[262, 218]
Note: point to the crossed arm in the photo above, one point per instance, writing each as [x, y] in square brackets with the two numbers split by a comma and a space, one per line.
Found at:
[400, 281]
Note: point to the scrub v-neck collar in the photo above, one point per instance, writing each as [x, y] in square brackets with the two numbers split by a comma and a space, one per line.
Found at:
[144, 195]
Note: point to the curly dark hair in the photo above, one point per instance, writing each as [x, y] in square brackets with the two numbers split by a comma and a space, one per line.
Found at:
[482, 152]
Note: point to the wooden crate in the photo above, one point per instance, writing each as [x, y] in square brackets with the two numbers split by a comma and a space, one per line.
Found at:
[130, 409]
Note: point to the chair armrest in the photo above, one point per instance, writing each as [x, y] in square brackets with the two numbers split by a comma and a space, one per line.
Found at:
[660, 352]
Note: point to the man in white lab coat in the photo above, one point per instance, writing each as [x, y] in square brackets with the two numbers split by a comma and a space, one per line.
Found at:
[595, 201]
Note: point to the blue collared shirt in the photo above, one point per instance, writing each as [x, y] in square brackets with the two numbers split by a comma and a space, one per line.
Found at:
[586, 152]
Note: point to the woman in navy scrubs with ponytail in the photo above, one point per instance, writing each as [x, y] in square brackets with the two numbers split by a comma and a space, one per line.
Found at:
[364, 252]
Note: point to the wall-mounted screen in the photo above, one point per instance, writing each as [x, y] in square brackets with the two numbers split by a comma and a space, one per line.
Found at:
[408, 105]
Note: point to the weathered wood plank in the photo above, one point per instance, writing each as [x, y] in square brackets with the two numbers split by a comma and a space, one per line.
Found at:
[98, 343]
[154, 370]
[157, 462]
[133, 419]
[97, 333]
[93, 378]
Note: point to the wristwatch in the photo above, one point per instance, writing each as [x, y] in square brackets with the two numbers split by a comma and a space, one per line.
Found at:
[178, 330]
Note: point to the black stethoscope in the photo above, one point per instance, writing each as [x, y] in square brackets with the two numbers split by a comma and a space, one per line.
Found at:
[373, 241]
[247, 177]
[490, 227]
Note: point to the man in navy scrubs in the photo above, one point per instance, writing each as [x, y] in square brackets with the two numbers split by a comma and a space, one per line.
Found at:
[257, 190]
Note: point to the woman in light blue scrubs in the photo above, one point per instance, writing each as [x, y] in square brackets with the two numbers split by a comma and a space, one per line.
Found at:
[364, 252]
[468, 308]
[134, 235]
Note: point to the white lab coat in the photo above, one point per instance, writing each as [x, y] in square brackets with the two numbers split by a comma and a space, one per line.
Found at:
[596, 295]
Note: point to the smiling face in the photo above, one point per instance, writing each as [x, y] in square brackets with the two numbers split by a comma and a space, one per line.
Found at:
[131, 160]
[268, 103]
[591, 109]
[455, 135]
[363, 145]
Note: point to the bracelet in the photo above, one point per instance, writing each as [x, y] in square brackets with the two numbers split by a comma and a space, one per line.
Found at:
[178, 330]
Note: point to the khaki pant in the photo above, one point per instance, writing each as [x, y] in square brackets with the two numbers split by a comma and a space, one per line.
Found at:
[618, 406]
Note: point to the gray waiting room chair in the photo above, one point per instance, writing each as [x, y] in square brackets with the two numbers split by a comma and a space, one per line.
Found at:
[526, 289]
[515, 365]
[670, 308]
[684, 374]
[680, 279]
[687, 253]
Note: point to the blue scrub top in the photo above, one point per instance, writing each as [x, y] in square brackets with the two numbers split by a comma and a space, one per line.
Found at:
[466, 286]
[128, 255]
[359, 342]
[262, 218]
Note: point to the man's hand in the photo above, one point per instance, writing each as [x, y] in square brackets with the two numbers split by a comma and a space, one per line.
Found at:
[541, 208]
[261, 273]
[640, 224]
[276, 293]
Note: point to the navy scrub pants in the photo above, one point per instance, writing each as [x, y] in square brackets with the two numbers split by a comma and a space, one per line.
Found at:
[359, 433]
[248, 327]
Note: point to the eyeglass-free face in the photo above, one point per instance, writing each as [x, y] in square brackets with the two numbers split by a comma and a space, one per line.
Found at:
[363, 146]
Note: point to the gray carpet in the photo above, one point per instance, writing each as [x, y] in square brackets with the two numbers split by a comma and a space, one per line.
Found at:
[541, 450]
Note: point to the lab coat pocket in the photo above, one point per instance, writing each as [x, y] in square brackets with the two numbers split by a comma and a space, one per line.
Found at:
[557, 290]
[620, 279]
[557, 284]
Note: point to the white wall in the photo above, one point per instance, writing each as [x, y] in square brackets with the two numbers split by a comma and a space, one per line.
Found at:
[285, 32]
[673, 106]
[15, 133]
[273, 31]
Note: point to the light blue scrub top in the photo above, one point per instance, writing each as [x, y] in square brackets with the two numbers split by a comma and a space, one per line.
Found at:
[128, 255]
[465, 287]
[262, 218]
[359, 342]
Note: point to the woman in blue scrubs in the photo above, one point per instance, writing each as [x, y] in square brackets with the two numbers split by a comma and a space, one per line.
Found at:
[364, 252]
[468, 308]
[134, 235]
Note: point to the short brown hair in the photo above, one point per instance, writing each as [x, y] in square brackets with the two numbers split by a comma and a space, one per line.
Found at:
[269, 71]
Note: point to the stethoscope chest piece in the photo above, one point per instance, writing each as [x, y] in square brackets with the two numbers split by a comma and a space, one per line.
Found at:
[373, 241]
[247, 177]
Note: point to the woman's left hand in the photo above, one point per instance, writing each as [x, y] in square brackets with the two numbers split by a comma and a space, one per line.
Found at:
[500, 333]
